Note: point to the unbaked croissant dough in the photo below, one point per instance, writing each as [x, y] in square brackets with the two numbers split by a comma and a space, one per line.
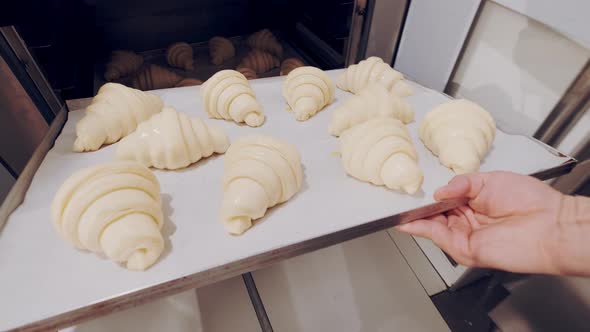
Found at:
[289, 64]
[380, 151]
[259, 61]
[373, 69]
[180, 55]
[248, 73]
[220, 50]
[122, 63]
[114, 113]
[228, 95]
[460, 133]
[266, 41]
[155, 77]
[259, 172]
[112, 209]
[307, 91]
[172, 140]
[373, 101]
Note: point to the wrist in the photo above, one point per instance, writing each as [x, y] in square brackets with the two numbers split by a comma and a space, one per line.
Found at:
[568, 242]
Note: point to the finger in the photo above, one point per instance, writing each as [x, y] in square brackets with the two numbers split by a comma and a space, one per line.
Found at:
[436, 229]
[465, 185]
[422, 227]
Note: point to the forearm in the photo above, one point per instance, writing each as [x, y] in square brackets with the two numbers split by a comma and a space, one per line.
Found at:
[571, 240]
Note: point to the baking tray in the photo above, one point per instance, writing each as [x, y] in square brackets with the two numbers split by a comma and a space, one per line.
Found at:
[47, 284]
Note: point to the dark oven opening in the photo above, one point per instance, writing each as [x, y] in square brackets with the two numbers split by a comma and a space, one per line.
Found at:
[72, 40]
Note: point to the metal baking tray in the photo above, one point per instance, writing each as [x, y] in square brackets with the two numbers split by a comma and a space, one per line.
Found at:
[47, 284]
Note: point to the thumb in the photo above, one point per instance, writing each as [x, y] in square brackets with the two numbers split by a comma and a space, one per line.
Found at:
[465, 185]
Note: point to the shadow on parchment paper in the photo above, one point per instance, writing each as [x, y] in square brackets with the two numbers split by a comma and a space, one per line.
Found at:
[169, 228]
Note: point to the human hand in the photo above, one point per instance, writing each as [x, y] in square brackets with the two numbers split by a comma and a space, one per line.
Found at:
[510, 223]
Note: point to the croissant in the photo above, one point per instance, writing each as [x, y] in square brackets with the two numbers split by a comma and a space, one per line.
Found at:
[112, 209]
[221, 49]
[373, 69]
[172, 140]
[155, 77]
[180, 55]
[259, 61]
[114, 113]
[122, 63]
[372, 102]
[460, 133]
[307, 90]
[227, 95]
[289, 64]
[266, 41]
[259, 172]
[248, 73]
[380, 151]
[188, 82]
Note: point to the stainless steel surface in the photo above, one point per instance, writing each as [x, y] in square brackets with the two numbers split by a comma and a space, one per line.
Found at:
[570, 108]
[257, 303]
[16, 195]
[22, 127]
[356, 29]
[385, 27]
[20, 49]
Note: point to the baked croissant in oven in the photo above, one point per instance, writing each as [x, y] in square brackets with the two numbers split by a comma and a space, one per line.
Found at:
[114, 113]
[289, 64]
[373, 69]
[307, 91]
[248, 73]
[188, 82]
[266, 41]
[220, 50]
[259, 61]
[180, 55]
[228, 95]
[372, 102]
[259, 172]
[460, 133]
[155, 77]
[112, 209]
[122, 63]
[172, 140]
[380, 151]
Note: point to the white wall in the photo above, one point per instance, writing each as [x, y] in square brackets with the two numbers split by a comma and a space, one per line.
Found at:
[517, 67]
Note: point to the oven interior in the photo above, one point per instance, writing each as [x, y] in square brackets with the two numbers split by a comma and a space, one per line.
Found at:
[72, 39]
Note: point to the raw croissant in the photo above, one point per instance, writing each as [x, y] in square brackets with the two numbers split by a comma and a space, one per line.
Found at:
[188, 82]
[460, 133]
[114, 113]
[180, 55]
[248, 73]
[380, 151]
[373, 69]
[155, 77]
[372, 102]
[307, 90]
[221, 49]
[172, 140]
[259, 61]
[259, 172]
[228, 95]
[266, 41]
[289, 64]
[122, 63]
[112, 209]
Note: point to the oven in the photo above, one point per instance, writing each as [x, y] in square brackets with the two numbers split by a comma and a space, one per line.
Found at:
[58, 55]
